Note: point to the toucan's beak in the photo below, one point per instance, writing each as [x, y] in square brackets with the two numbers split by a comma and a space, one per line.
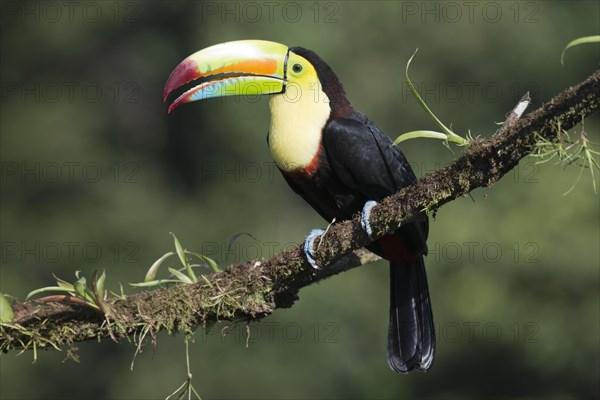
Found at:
[245, 67]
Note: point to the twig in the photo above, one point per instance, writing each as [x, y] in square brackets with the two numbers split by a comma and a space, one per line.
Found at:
[515, 114]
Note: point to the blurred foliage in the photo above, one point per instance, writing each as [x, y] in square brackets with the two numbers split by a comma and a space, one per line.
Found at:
[95, 175]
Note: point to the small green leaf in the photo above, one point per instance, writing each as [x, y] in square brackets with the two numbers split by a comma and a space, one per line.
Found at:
[49, 289]
[451, 136]
[121, 295]
[577, 42]
[206, 280]
[180, 275]
[80, 286]
[184, 262]
[154, 283]
[420, 134]
[6, 312]
[151, 274]
[179, 250]
[207, 260]
[100, 283]
[63, 283]
[420, 99]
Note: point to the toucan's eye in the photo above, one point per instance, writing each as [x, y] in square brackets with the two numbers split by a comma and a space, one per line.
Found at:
[297, 68]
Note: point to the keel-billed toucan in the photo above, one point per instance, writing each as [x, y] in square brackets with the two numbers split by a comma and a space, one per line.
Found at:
[334, 157]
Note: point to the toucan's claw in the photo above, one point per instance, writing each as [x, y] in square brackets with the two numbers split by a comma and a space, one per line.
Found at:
[309, 245]
[364, 218]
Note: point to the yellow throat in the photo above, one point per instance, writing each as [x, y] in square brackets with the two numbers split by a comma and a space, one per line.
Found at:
[298, 117]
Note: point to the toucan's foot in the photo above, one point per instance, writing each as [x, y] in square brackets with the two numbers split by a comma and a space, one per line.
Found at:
[364, 218]
[309, 245]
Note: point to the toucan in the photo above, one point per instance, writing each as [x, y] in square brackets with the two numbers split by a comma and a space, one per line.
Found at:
[334, 157]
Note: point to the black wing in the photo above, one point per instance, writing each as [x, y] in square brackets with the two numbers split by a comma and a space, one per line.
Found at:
[363, 158]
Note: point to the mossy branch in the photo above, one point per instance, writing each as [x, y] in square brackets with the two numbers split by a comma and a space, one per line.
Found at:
[253, 290]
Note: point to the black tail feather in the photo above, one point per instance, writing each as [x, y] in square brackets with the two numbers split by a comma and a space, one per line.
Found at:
[411, 335]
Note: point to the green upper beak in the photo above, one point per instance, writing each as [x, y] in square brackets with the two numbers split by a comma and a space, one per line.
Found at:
[244, 67]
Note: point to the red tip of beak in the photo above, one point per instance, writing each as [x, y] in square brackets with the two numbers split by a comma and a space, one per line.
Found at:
[185, 72]
[176, 104]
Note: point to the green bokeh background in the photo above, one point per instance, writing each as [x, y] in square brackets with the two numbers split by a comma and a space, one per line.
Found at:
[514, 274]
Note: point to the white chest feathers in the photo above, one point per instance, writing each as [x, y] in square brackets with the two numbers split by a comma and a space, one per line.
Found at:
[296, 128]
